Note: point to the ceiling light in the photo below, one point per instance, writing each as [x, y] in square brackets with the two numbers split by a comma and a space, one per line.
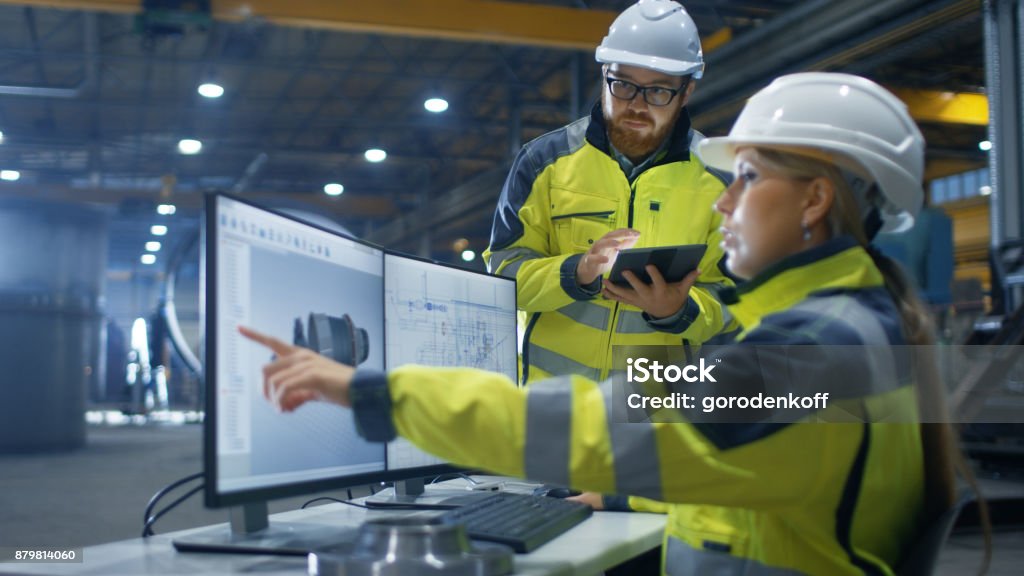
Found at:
[984, 145]
[436, 105]
[148, 259]
[985, 190]
[375, 155]
[166, 209]
[468, 255]
[333, 189]
[189, 146]
[158, 230]
[210, 90]
[10, 175]
[1, 136]
[152, 246]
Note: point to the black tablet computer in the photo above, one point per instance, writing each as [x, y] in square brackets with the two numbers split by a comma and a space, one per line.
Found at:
[674, 262]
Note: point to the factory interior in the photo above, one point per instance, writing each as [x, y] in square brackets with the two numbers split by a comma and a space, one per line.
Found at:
[396, 123]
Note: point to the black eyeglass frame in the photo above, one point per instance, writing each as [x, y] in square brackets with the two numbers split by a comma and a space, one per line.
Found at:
[638, 89]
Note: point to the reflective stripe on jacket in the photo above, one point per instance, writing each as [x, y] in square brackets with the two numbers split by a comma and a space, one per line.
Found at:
[564, 192]
[758, 498]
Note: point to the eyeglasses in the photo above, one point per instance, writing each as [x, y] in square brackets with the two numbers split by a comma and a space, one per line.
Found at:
[653, 95]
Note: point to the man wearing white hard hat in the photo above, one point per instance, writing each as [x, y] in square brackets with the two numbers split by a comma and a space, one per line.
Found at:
[624, 176]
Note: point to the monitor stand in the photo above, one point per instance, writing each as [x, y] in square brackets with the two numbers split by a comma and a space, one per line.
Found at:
[251, 532]
[413, 494]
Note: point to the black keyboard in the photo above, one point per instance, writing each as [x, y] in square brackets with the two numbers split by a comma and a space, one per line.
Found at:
[518, 520]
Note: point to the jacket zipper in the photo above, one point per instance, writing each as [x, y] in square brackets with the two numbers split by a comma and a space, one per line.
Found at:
[615, 310]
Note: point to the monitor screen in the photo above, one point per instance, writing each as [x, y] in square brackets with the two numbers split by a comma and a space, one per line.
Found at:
[444, 316]
[306, 286]
[325, 291]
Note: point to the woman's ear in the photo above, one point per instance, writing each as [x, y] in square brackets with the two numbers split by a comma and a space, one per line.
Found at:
[821, 194]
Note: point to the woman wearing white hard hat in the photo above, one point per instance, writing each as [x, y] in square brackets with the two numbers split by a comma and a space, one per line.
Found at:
[822, 162]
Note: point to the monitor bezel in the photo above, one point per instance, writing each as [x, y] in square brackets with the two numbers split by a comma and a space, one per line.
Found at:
[213, 498]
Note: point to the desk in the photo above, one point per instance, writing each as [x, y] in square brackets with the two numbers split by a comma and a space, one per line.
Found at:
[602, 541]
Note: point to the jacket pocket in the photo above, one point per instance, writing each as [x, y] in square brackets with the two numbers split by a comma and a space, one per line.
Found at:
[580, 230]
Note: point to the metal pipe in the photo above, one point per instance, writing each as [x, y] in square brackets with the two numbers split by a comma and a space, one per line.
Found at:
[745, 75]
[755, 37]
[1017, 166]
[995, 115]
[250, 173]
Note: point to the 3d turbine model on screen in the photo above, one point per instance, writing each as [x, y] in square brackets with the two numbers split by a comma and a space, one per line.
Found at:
[337, 338]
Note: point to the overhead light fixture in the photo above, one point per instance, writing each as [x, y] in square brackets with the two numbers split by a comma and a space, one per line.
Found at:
[984, 145]
[189, 146]
[152, 246]
[148, 259]
[436, 105]
[375, 155]
[158, 230]
[10, 175]
[333, 189]
[166, 209]
[985, 190]
[468, 255]
[210, 90]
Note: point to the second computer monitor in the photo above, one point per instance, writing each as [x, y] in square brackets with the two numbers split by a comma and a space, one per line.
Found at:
[444, 316]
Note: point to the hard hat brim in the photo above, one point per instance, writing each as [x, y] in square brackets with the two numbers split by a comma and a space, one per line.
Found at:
[718, 153]
[664, 65]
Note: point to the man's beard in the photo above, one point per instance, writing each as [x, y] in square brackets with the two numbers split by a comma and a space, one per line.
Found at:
[635, 145]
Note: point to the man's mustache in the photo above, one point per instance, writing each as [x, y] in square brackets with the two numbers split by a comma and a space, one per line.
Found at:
[636, 117]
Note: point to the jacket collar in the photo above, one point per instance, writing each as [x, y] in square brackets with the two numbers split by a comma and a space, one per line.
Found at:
[679, 140]
[839, 264]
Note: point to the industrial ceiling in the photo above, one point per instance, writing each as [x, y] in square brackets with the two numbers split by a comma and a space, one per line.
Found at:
[96, 94]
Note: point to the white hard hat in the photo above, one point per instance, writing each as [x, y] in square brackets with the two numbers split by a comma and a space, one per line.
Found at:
[654, 34]
[862, 127]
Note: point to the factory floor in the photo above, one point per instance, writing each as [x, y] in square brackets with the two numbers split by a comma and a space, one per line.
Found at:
[98, 494]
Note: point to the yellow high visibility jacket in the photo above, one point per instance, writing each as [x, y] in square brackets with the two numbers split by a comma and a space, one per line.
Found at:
[564, 192]
[746, 497]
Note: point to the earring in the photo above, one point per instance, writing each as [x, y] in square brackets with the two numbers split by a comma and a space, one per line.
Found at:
[807, 232]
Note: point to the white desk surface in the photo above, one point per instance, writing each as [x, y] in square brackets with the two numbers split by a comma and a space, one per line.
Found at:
[602, 541]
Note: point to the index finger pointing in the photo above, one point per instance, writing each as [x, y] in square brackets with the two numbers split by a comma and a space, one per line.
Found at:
[277, 346]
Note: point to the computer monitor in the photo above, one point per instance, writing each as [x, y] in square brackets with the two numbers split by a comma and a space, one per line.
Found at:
[301, 284]
[438, 315]
[325, 291]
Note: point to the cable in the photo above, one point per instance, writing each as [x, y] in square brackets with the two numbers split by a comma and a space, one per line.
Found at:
[454, 474]
[160, 494]
[386, 506]
[147, 529]
[332, 499]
